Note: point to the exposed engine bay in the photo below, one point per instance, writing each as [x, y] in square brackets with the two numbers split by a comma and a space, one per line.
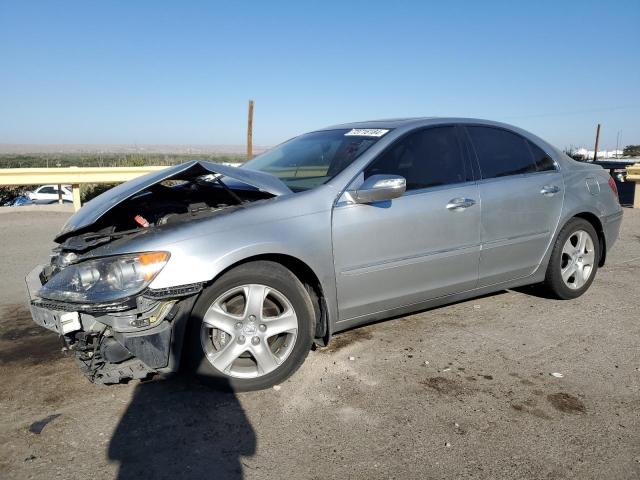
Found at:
[169, 202]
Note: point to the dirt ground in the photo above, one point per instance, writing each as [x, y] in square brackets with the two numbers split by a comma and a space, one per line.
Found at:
[462, 391]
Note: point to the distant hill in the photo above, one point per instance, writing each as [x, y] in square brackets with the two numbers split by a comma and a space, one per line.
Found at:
[126, 149]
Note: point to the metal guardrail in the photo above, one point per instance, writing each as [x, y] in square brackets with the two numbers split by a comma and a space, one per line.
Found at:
[75, 176]
[633, 175]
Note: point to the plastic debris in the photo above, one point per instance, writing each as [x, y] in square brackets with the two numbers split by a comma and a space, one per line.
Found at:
[426, 362]
[556, 374]
[446, 369]
[447, 444]
[352, 358]
[37, 427]
[277, 388]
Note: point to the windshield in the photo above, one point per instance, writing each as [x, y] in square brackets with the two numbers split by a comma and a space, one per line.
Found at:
[315, 158]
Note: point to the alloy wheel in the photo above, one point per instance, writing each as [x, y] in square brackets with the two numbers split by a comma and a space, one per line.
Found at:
[248, 331]
[578, 257]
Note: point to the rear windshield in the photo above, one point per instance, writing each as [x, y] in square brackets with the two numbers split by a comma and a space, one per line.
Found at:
[312, 159]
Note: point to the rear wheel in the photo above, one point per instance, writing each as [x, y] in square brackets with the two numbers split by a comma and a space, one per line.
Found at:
[574, 260]
[252, 328]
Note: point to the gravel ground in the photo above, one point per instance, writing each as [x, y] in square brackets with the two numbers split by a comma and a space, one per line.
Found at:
[462, 391]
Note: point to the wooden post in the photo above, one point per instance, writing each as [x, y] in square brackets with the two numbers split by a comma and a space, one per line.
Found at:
[76, 197]
[250, 132]
[59, 193]
[595, 152]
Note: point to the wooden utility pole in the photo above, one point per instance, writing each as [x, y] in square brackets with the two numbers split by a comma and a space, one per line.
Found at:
[595, 152]
[250, 132]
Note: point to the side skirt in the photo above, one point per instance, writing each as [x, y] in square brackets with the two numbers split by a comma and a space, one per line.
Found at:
[536, 277]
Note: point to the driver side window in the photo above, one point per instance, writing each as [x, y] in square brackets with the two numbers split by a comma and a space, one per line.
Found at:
[426, 158]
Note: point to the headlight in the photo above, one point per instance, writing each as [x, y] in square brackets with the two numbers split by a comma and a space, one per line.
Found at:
[105, 279]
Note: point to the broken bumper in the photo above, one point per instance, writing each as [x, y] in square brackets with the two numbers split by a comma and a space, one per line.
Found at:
[119, 341]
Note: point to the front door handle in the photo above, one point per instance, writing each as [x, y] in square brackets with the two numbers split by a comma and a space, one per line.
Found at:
[459, 204]
[550, 190]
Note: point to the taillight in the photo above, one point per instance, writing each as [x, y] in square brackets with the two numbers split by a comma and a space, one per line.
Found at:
[614, 187]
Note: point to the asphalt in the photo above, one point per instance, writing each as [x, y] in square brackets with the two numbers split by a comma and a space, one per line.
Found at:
[462, 391]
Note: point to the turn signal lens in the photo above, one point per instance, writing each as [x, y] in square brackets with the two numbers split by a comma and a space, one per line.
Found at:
[152, 263]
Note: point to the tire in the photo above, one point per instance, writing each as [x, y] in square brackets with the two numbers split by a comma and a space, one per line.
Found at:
[285, 303]
[566, 257]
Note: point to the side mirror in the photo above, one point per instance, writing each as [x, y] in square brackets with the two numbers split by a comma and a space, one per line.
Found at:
[378, 188]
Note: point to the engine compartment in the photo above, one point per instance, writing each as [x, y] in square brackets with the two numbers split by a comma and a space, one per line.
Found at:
[168, 202]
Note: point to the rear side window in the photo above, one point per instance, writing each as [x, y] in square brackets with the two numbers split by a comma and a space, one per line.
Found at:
[47, 190]
[426, 158]
[501, 152]
[543, 161]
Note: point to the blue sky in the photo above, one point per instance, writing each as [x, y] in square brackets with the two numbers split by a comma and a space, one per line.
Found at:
[182, 72]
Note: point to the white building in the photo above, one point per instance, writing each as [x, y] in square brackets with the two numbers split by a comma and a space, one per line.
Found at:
[602, 154]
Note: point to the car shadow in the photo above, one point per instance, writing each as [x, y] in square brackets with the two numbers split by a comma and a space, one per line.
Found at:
[176, 429]
[535, 291]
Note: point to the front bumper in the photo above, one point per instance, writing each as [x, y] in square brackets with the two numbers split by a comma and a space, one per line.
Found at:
[116, 342]
[58, 321]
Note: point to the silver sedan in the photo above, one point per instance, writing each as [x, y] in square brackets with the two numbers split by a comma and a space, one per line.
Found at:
[233, 273]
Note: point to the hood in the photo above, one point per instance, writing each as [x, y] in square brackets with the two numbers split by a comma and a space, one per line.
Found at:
[92, 211]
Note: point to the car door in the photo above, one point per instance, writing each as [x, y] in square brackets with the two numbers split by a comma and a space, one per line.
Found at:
[522, 192]
[422, 245]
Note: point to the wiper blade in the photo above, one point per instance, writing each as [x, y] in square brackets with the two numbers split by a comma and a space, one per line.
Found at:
[121, 233]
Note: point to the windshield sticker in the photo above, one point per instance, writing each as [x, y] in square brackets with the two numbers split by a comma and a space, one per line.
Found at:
[366, 132]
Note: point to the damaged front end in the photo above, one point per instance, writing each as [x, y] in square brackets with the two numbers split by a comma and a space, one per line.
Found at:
[102, 303]
[115, 341]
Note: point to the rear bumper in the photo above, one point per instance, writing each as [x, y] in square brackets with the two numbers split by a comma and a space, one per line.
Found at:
[611, 227]
[106, 345]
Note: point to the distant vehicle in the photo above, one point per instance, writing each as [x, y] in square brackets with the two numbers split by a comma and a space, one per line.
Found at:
[618, 170]
[237, 271]
[18, 201]
[49, 194]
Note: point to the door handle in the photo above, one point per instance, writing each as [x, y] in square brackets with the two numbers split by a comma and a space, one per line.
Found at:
[549, 190]
[459, 204]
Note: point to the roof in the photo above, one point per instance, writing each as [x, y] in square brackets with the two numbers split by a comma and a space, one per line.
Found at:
[413, 122]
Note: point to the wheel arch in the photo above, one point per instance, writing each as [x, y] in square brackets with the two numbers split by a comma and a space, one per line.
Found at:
[594, 220]
[307, 277]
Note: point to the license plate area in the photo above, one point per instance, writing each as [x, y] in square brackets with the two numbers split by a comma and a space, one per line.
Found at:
[69, 322]
[60, 322]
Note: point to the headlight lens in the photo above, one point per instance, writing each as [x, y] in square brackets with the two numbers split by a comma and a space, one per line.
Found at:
[105, 279]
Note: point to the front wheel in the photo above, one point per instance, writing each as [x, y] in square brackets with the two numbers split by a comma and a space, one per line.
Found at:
[574, 260]
[252, 328]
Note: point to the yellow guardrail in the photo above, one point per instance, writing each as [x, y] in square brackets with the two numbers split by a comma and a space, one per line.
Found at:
[74, 176]
[633, 175]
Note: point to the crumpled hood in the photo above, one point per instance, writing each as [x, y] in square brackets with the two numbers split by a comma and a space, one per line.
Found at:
[92, 211]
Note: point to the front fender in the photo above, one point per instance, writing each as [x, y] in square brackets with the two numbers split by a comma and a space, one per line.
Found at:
[305, 238]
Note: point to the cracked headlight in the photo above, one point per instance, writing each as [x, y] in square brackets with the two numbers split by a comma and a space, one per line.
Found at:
[105, 279]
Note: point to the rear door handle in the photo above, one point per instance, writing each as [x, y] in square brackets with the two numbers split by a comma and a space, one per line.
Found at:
[550, 190]
[459, 204]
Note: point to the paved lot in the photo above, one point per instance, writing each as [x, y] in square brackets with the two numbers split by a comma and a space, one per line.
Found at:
[462, 391]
